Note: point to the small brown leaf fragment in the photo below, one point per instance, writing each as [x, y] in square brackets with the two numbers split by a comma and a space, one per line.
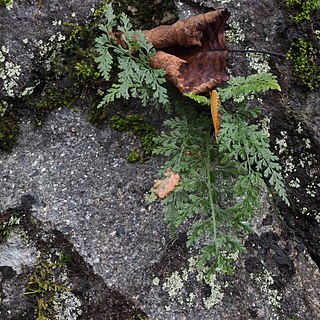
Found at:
[163, 188]
[215, 104]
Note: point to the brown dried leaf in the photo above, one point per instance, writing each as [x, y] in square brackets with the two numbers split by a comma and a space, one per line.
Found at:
[215, 104]
[163, 188]
[193, 51]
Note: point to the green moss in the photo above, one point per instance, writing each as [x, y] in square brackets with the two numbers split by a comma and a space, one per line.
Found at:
[72, 72]
[4, 3]
[147, 15]
[2, 108]
[137, 125]
[10, 221]
[305, 58]
[75, 66]
[66, 258]
[134, 156]
[98, 117]
[84, 69]
[9, 131]
[140, 316]
[302, 10]
[43, 285]
[52, 97]
[81, 34]
[304, 51]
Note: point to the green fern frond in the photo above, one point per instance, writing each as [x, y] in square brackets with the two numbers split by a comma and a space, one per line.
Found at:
[249, 146]
[136, 78]
[239, 87]
[198, 98]
[219, 188]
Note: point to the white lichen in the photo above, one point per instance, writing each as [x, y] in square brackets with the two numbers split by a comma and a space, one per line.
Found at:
[27, 91]
[190, 300]
[281, 143]
[3, 107]
[239, 99]
[289, 166]
[311, 190]
[9, 72]
[235, 33]
[2, 57]
[264, 283]
[294, 183]
[307, 143]
[9, 5]
[56, 22]
[66, 306]
[216, 295]
[258, 62]
[173, 284]
[52, 49]
[299, 129]
[156, 281]
[265, 126]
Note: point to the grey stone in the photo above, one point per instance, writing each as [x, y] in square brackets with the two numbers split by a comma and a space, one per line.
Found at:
[16, 253]
[30, 35]
[94, 161]
[88, 192]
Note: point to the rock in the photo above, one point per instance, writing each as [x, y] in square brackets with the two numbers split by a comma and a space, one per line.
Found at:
[94, 163]
[33, 258]
[17, 258]
[31, 35]
[81, 197]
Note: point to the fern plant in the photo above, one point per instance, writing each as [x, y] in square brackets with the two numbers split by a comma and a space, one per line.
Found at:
[219, 188]
[132, 52]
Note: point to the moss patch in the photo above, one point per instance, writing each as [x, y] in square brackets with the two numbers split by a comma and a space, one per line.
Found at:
[302, 10]
[52, 97]
[4, 3]
[304, 50]
[72, 76]
[44, 284]
[147, 15]
[306, 61]
[9, 220]
[9, 131]
[136, 124]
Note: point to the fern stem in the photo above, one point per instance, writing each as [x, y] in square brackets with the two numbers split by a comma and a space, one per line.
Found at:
[128, 53]
[210, 191]
[172, 227]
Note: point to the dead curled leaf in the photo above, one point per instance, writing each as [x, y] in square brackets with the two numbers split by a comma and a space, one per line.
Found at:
[192, 51]
[163, 188]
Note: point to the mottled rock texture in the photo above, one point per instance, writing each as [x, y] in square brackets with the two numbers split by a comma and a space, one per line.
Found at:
[89, 201]
[30, 33]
